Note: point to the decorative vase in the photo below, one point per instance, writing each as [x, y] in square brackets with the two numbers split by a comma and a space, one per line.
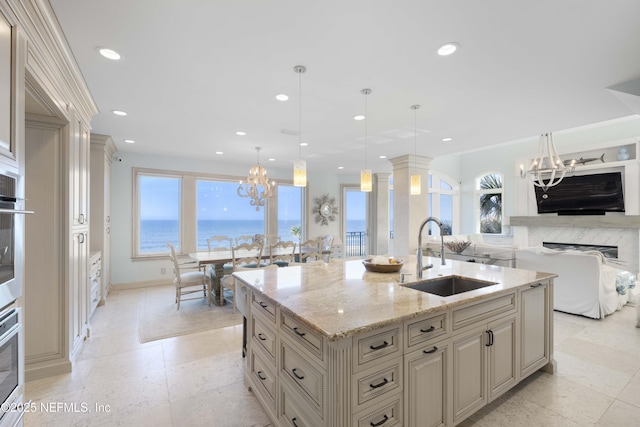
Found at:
[623, 154]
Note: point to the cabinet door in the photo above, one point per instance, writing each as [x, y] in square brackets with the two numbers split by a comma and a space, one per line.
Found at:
[469, 373]
[426, 386]
[502, 356]
[79, 284]
[534, 327]
[79, 170]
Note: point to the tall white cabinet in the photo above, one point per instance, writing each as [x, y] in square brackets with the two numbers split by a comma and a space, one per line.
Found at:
[102, 151]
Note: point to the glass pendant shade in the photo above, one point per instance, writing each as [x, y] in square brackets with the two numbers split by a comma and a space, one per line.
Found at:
[415, 187]
[365, 180]
[299, 173]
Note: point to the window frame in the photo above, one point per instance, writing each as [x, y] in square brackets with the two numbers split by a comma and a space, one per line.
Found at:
[188, 208]
[477, 192]
[436, 192]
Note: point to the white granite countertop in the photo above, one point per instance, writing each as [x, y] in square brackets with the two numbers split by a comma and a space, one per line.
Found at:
[341, 298]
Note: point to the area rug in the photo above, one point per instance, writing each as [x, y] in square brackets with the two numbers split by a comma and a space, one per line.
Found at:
[158, 317]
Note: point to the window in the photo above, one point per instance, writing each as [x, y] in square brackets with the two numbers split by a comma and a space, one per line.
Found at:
[488, 196]
[159, 213]
[444, 201]
[186, 209]
[290, 213]
[220, 212]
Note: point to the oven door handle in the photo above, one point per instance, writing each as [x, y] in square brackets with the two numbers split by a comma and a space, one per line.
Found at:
[15, 211]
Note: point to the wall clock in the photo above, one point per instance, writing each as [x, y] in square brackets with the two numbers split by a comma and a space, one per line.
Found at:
[325, 209]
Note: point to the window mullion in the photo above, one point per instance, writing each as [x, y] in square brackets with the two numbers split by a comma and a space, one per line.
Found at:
[188, 220]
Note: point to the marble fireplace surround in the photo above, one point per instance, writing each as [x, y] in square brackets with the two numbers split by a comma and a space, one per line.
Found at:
[622, 231]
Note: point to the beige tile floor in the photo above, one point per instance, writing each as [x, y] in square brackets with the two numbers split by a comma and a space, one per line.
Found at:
[196, 380]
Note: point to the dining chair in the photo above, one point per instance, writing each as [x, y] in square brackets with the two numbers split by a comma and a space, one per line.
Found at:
[310, 250]
[188, 282]
[325, 248]
[243, 256]
[245, 239]
[282, 253]
[229, 283]
[219, 244]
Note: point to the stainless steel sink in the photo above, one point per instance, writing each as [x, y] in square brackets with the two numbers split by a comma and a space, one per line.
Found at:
[450, 285]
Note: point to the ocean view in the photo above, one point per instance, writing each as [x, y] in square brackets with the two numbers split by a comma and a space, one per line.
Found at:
[155, 233]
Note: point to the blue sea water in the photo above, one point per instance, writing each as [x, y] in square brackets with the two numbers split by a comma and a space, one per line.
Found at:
[155, 233]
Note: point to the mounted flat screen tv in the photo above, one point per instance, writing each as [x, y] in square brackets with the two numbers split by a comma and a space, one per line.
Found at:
[593, 194]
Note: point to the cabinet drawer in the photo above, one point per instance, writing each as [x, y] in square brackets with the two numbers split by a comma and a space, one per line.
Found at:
[263, 377]
[308, 379]
[481, 311]
[421, 330]
[263, 335]
[304, 335]
[377, 383]
[389, 414]
[293, 413]
[378, 346]
[264, 306]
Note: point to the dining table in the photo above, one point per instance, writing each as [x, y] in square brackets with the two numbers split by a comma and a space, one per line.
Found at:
[218, 258]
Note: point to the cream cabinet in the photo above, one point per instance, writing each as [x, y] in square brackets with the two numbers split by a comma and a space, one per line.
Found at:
[101, 158]
[429, 370]
[535, 328]
[79, 170]
[79, 282]
[485, 356]
[427, 391]
[95, 280]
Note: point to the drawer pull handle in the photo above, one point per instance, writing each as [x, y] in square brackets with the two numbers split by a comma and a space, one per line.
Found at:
[384, 381]
[431, 329]
[433, 350]
[381, 346]
[293, 421]
[379, 423]
[261, 337]
[295, 374]
[537, 285]
[259, 374]
[490, 338]
[263, 305]
[301, 334]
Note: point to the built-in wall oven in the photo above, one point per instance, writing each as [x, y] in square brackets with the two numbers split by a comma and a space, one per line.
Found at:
[11, 335]
[10, 288]
[11, 367]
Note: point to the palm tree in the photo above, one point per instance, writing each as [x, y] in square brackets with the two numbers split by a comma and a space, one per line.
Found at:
[491, 204]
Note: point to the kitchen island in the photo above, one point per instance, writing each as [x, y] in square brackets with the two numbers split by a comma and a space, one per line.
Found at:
[335, 345]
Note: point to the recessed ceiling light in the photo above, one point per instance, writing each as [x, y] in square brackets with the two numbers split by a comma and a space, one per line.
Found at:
[358, 117]
[219, 152]
[241, 133]
[282, 97]
[448, 49]
[119, 112]
[340, 167]
[272, 159]
[129, 141]
[303, 144]
[383, 157]
[109, 53]
[447, 139]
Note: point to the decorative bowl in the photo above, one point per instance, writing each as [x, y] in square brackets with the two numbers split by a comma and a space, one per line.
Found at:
[457, 246]
[382, 268]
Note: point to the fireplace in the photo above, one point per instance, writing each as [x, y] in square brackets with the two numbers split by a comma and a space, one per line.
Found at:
[607, 251]
[621, 232]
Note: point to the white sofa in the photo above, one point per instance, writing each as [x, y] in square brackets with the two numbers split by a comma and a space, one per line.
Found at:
[585, 285]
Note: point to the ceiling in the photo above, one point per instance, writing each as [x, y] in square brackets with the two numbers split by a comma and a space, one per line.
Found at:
[194, 72]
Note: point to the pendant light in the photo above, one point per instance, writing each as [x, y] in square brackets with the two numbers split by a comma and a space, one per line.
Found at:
[300, 166]
[365, 174]
[415, 189]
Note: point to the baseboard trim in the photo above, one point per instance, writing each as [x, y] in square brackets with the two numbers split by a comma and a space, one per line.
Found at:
[40, 371]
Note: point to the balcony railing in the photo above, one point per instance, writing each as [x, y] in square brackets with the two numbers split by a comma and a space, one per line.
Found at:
[356, 243]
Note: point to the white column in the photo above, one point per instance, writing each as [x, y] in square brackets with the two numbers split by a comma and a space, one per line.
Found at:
[380, 232]
[408, 211]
